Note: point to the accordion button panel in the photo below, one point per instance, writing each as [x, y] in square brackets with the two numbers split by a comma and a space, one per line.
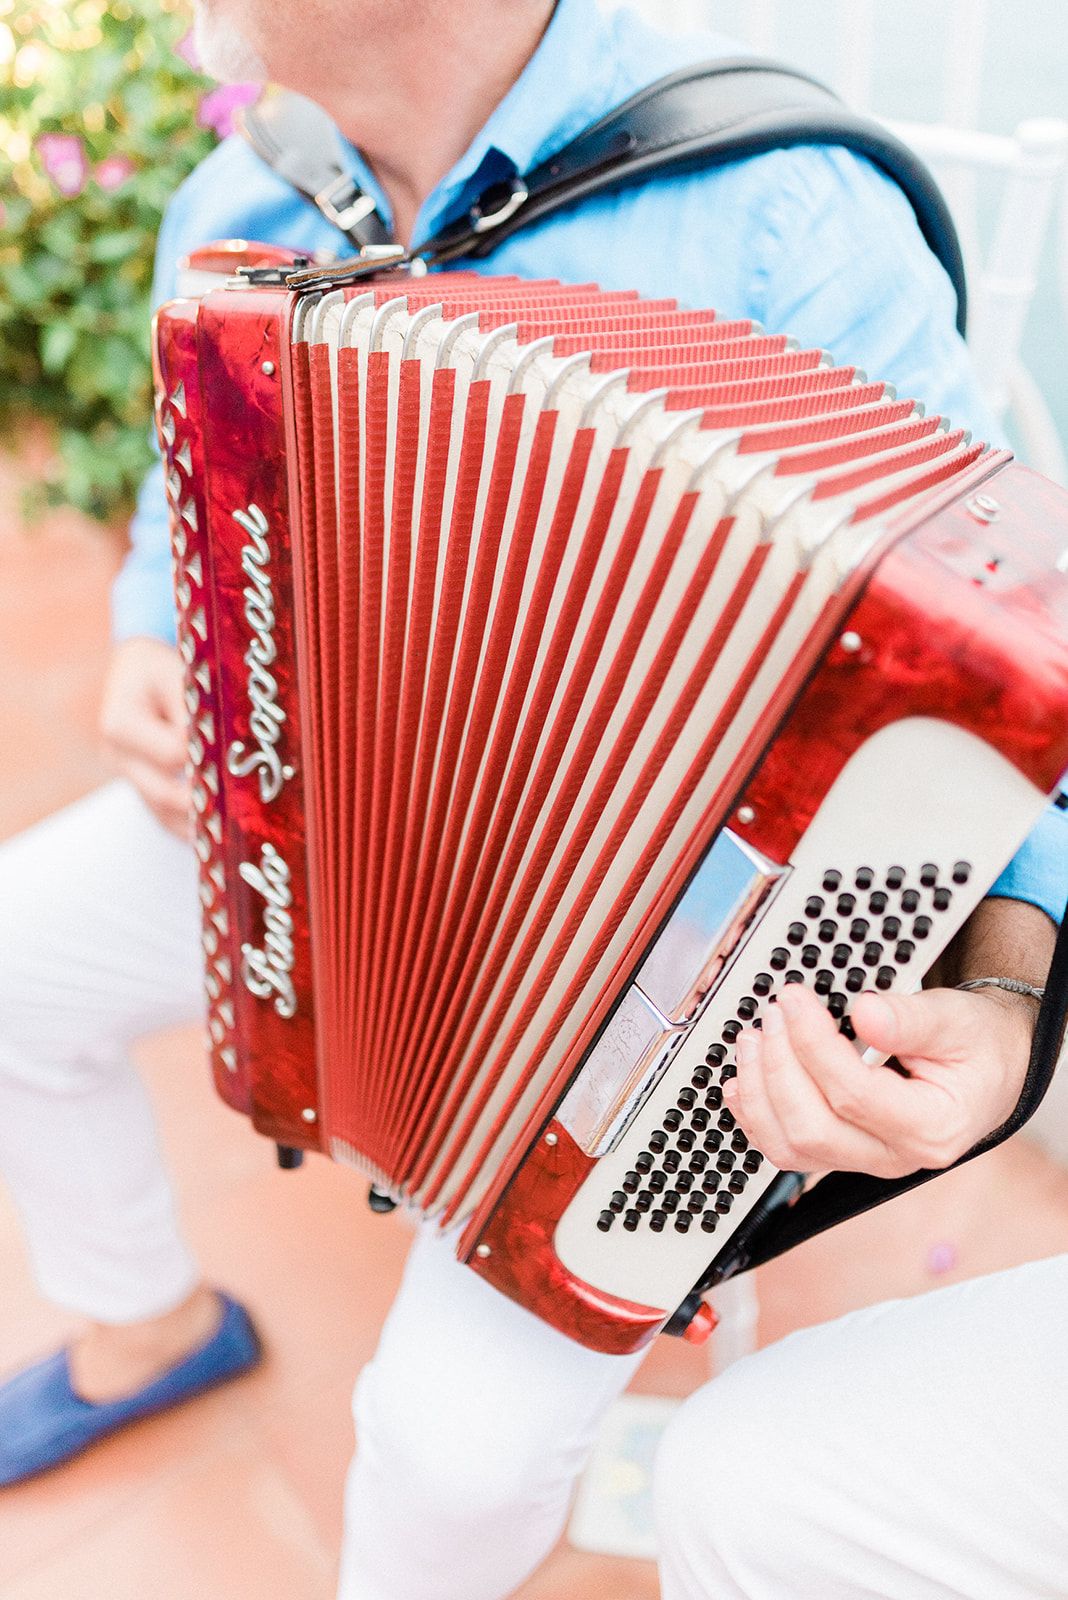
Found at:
[921, 807]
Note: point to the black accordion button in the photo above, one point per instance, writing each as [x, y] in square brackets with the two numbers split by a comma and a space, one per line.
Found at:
[738, 1181]
[795, 933]
[686, 1140]
[837, 1005]
[841, 956]
[712, 1140]
[873, 954]
[710, 1222]
[813, 906]
[701, 1078]
[828, 932]
[682, 1222]
[858, 930]
[824, 982]
[747, 1008]
[605, 1221]
[943, 899]
[962, 871]
[658, 1182]
[716, 1056]
[855, 979]
[904, 952]
[739, 1141]
[644, 1162]
[753, 1161]
[892, 929]
[632, 1183]
[895, 877]
[724, 1201]
[780, 959]
[726, 1121]
[831, 879]
[865, 878]
[657, 1220]
[618, 1202]
[697, 1201]
[700, 1119]
[810, 956]
[921, 927]
[698, 1161]
[847, 904]
[910, 901]
[878, 903]
[725, 1161]
[763, 984]
[684, 1182]
[711, 1182]
[687, 1099]
[928, 875]
[670, 1202]
[672, 1161]
[672, 1120]
[631, 1221]
[884, 978]
[658, 1141]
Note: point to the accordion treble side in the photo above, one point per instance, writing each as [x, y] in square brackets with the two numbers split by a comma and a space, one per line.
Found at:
[567, 672]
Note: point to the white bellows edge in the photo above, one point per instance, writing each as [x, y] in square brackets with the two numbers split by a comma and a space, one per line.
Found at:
[811, 545]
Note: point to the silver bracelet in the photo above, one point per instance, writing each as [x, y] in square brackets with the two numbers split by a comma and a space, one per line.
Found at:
[1010, 985]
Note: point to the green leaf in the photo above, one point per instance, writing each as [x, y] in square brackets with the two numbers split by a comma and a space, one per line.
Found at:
[57, 346]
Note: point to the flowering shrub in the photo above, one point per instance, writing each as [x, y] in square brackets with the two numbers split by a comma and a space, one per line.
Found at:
[102, 114]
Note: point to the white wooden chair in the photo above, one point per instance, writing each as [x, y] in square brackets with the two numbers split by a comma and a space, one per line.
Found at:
[1002, 189]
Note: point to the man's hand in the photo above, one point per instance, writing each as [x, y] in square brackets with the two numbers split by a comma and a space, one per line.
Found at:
[807, 1100]
[143, 720]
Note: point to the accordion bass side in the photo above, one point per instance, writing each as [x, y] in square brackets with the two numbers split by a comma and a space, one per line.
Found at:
[566, 672]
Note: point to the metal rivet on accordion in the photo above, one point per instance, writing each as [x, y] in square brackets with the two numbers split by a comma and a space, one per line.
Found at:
[483, 1251]
[268, 369]
[851, 643]
[746, 815]
[551, 1139]
[983, 507]
[308, 1115]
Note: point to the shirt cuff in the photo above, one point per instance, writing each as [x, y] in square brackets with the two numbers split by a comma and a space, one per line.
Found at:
[142, 604]
[1038, 873]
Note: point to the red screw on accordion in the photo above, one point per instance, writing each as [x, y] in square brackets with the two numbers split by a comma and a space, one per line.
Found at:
[566, 672]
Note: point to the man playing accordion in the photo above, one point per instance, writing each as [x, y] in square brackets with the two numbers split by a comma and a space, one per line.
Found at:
[857, 1461]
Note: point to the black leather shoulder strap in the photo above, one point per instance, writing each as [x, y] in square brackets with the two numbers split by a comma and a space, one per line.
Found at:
[708, 115]
[297, 139]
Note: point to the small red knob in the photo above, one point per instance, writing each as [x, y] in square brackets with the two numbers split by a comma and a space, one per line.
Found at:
[703, 1325]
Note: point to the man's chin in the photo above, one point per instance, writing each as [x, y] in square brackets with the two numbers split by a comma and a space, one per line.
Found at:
[224, 51]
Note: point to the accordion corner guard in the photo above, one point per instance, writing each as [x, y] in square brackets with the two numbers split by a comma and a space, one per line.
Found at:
[566, 672]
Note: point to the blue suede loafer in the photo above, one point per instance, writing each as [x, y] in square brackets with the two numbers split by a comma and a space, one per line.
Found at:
[44, 1423]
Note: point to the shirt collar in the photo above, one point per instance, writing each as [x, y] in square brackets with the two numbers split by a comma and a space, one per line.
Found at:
[567, 83]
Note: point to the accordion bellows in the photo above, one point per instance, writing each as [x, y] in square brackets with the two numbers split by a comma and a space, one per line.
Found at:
[566, 671]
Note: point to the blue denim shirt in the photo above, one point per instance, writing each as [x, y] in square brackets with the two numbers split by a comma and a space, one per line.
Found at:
[814, 242]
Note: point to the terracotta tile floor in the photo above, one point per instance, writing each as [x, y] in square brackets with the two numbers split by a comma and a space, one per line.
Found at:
[238, 1496]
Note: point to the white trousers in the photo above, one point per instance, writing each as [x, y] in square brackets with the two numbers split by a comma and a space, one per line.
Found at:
[914, 1452]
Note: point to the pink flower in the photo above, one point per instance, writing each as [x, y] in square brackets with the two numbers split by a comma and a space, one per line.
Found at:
[218, 106]
[113, 172]
[63, 158]
[187, 49]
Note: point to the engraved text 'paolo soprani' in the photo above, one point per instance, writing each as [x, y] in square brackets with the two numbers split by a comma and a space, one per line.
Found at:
[266, 717]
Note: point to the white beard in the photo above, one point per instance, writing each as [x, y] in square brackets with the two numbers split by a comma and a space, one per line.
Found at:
[224, 51]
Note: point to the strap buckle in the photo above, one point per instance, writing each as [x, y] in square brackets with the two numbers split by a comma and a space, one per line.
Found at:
[344, 203]
[515, 194]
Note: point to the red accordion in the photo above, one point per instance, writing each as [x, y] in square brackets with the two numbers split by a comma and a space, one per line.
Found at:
[566, 672]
